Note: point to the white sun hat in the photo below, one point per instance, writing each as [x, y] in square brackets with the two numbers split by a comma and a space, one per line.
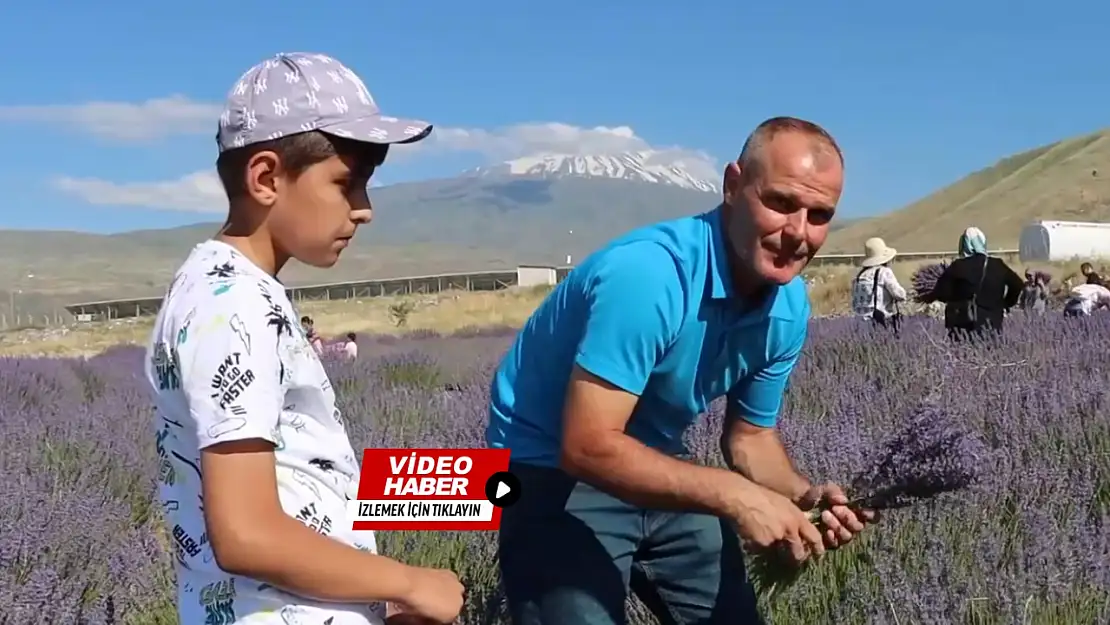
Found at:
[876, 252]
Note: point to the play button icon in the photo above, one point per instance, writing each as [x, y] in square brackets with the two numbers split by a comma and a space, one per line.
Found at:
[503, 489]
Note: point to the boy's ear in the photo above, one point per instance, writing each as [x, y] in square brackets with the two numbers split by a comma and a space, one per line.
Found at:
[261, 173]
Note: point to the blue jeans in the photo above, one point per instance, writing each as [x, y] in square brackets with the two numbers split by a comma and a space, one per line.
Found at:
[570, 553]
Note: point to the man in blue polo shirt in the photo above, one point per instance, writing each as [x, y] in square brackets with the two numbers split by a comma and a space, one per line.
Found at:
[595, 394]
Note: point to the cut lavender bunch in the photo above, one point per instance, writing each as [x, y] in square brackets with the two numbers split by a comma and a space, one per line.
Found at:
[933, 454]
[924, 280]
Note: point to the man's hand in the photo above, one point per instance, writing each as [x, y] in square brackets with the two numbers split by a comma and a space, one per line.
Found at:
[840, 523]
[766, 518]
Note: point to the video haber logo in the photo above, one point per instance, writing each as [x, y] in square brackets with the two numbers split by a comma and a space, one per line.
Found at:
[433, 489]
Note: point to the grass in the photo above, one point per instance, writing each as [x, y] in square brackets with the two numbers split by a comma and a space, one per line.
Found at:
[441, 312]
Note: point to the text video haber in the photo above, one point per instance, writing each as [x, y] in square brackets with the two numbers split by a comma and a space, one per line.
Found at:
[409, 470]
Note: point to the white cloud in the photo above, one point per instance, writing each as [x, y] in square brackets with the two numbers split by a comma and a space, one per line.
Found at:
[198, 192]
[201, 191]
[124, 121]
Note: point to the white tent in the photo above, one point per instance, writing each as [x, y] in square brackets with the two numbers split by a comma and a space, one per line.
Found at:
[1045, 241]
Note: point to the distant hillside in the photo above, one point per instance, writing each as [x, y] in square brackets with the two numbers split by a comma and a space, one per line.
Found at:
[1068, 180]
[454, 225]
[543, 211]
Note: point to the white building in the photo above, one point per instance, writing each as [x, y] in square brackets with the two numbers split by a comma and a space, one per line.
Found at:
[536, 275]
[1048, 241]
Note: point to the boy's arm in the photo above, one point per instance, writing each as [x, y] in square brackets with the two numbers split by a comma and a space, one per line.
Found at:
[252, 536]
[232, 379]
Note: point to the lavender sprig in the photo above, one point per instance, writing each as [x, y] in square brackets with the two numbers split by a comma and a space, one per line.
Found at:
[931, 455]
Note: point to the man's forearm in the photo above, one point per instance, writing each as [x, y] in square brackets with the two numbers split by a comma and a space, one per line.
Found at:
[635, 473]
[762, 459]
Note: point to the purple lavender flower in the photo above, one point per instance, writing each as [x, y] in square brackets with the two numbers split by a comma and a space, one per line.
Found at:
[82, 540]
[924, 280]
[934, 454]
[931, 455]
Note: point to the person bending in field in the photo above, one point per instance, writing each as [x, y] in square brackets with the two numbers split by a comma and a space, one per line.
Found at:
[594, 396]
[1086, 299]
[1090, 275]
[256, 466]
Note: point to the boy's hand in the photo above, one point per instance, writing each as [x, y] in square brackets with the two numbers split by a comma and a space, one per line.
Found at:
[395, 614]
[404, 618]
[436, 597]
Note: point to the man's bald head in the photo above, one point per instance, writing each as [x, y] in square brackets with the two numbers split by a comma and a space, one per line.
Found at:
[779, 198]
[823, 147]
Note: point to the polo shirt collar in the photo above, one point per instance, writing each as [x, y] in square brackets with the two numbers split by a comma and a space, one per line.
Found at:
[720, 280]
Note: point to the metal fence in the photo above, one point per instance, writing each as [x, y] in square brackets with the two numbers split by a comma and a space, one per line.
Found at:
[411, 285]
[474, 281]
[14, 318]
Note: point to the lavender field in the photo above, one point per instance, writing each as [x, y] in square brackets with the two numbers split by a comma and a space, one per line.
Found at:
[81, 540]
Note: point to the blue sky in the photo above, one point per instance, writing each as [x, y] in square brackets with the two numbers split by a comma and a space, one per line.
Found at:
[106, 111]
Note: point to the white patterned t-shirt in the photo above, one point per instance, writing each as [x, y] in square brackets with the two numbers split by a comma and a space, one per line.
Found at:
[228, 361]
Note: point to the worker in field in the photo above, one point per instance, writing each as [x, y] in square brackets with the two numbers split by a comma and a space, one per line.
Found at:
[1086, 299]
[309, 327]
[1089, 274]
[599, 386]
[350, 346]
[875, 289]
[977, 289]
[1034, 295]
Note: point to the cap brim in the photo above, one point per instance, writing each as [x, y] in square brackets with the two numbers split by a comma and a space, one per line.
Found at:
[381, 130]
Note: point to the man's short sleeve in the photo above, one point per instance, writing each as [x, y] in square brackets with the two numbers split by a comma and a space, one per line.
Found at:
[635, 301]
[231, 372]
[757, 398]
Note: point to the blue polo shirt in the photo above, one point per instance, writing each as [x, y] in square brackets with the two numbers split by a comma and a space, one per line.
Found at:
[653, 313]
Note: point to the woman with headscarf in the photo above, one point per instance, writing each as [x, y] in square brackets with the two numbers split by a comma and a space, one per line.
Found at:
[977, 289]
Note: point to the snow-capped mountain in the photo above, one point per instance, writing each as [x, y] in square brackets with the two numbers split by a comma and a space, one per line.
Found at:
[639, 166]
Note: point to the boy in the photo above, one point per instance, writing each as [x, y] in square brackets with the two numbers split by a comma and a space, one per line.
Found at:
[350, 348]
[256, 466]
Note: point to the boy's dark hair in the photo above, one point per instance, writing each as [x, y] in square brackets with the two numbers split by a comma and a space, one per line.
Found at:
[305, 320]
[350, 336]
[297, 152]
[1085, 267]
